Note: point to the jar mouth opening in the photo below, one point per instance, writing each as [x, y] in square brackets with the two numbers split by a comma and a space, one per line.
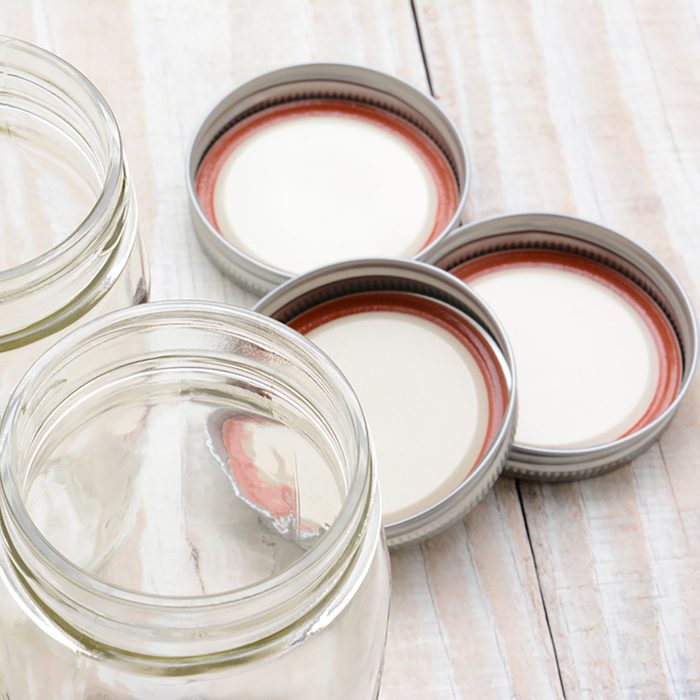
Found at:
[25, 272]
[30, 548]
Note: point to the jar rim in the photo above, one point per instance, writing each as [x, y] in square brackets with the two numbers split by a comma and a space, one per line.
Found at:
[338, 541]
[85, 610]
[115, 165]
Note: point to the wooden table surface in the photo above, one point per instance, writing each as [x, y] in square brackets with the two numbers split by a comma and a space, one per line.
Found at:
[587, 107]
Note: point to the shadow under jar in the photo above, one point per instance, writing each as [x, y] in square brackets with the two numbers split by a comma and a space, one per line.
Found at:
[189, 510]
[69, 248]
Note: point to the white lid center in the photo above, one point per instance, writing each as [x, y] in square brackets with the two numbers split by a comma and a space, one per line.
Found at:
[309, 190]
[425, 399]
[587, 364]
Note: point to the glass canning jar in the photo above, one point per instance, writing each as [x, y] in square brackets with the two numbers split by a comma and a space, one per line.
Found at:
[189, 510]
[69, 247]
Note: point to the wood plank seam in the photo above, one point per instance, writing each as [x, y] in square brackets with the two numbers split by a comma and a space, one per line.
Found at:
[419, 36]
[426, 65]
[518, 490]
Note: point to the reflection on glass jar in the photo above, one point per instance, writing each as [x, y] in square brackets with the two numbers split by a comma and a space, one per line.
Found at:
[189, 510]
[69, 248]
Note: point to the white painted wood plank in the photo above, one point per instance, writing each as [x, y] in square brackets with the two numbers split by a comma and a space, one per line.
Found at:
[467, 617]
[592, 108]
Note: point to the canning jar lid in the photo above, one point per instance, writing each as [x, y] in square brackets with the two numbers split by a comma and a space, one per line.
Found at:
[433, 371]
[604, 337]
[317, 163]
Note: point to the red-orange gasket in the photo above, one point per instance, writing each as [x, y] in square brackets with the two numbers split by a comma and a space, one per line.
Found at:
[441, 315]
[660, 328]
[279, 500]
[434, 159]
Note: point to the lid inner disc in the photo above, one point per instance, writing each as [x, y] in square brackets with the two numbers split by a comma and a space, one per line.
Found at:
[597, 359]
[428, 382]
[314, 181]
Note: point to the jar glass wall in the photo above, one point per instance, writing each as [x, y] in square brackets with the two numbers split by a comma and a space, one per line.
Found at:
[189, 510]
[69, 248]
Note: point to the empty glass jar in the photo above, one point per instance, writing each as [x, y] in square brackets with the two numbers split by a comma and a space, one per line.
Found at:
[69, 248]
[189, 510]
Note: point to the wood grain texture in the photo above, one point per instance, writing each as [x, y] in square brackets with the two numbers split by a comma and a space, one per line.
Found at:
[467, 617]
[161, 66]
[584, 106]
[592, 107]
